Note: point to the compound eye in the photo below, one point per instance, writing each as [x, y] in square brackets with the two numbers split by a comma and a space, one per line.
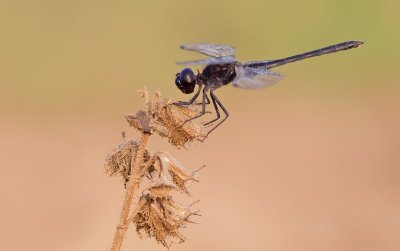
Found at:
[178, 82]
[186, 80]
[188, 77]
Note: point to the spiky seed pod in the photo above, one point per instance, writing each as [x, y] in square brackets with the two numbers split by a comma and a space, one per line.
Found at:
[120, 161]
[168, 120]
[161, 219]
[173, 171]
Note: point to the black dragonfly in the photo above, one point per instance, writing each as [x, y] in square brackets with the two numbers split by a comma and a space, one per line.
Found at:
[222, 69]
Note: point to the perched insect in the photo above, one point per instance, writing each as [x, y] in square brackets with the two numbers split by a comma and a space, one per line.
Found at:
[221, 69]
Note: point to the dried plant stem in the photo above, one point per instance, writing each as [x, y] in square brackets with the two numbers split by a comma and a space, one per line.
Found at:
[156, 214]
[133, 182]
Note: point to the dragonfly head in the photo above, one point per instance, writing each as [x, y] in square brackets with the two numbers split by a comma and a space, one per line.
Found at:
[186, 80]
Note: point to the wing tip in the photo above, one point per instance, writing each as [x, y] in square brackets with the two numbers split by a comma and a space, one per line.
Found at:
[185, 46]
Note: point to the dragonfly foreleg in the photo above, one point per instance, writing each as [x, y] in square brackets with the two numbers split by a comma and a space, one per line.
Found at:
[203, 110]
[207, 101]
[190, 101]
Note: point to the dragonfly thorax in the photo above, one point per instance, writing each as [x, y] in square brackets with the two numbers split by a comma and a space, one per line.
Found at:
[217, 75]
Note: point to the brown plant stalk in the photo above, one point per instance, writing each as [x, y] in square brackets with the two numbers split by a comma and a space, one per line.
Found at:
[123, 221]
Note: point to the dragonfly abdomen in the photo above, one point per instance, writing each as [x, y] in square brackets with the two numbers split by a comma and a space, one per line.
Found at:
[326, 50]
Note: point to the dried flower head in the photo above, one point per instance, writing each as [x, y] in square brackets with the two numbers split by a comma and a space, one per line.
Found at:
[162, 218]
[167, 119]
[174, 172]
[120, 161]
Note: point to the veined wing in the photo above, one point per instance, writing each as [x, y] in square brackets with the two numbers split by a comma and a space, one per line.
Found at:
[218, 60]
[212, 50]
[255, 78]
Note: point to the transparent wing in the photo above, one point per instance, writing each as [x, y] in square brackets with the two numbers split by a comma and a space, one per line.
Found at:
[219, 60]
[213, 50]
[255, 78]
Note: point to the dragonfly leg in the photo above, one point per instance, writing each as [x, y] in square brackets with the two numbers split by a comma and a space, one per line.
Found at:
[191, 100]
[223, 109]
[207, 101]
[216, 110]
[203, 110]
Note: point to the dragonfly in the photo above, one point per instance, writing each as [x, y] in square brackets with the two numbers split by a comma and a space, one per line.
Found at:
[222, 69]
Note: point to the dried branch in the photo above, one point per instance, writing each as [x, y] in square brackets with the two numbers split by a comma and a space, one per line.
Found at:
[123, 222]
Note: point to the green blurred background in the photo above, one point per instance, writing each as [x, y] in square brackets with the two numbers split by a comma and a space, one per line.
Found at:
[69, 54]
[309, 164]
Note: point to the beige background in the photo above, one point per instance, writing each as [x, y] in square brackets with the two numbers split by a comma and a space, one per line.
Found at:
[309, 164]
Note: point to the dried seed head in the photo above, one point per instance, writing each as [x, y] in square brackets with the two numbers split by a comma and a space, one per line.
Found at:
[161, 218]
[161, 189]
[120, 161]
[167, 119]
[174, 172]
[174, 117]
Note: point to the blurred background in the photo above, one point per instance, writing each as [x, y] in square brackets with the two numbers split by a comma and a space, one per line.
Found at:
[311, 163]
